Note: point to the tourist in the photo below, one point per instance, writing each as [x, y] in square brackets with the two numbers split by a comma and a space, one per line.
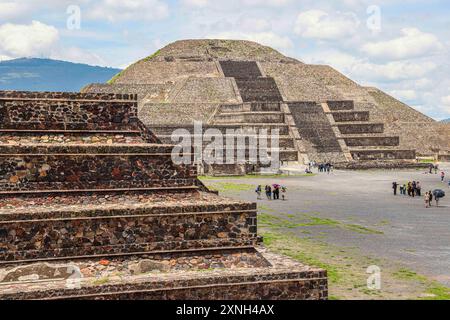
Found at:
[442, 176]
[283, 193]
[401, 189]
[276, 192]
[418, 189]
[431, 168]
[414, 190]
[404, 189]
[258, 192]
[409, 189]
[395, 187]
[430, 197]
[269, 192]
[427, 200]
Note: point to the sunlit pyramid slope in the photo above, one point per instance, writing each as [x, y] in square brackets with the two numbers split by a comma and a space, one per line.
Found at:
[322, 115]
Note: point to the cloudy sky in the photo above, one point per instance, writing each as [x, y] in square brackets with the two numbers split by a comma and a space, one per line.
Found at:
[400, 46]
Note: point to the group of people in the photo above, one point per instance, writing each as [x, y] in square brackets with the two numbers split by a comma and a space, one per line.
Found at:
[321, 167]
[412, 189]
[272, 192]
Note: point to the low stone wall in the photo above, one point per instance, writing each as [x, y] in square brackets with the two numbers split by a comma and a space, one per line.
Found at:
[140, 231]
[90, 167]
[67, 111]
[444, 157]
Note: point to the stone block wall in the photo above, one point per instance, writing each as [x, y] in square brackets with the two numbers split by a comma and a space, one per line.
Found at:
[139, 230]
[67, 111]
[69, 168]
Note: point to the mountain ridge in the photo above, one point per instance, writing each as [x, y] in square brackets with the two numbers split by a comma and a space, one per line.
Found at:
[41, 74]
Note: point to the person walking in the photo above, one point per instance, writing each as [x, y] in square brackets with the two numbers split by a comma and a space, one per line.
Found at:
[395, 187]
[442, 176]
[414, 185]
[427, 200]
[258, 192]
[401, 189]
[405, 187]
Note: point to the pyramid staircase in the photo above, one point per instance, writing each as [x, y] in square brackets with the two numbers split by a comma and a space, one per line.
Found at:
[261, 107]
[364, 141]
[81, 179]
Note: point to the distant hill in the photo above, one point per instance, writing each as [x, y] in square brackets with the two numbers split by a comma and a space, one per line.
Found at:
[34, 74]
[446, 120]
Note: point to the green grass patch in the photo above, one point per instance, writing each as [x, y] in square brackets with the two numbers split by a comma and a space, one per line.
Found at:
[256, 176]
[434, 290]
[227, 186]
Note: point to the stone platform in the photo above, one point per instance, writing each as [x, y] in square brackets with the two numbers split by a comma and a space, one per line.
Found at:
[244, 274]
[84, 186]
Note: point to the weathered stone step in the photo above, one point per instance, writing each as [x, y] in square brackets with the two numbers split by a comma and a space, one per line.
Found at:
[246, 274]
[350, 116]
[381, 164]
[255, 107]
[259, 90]
[240, 69]
[28, 168]
[246, 128]
[360, 127]
[125, 226]
[284, 141]
[33, 137]
[251, 127]
[382, 154]
[249, 117]
[341, 105]
[372, 141]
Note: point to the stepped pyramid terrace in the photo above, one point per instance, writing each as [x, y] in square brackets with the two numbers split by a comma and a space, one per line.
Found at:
[321, 115]
[93, 207]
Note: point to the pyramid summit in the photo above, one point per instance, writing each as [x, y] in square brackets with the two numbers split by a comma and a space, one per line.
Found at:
[322, 115]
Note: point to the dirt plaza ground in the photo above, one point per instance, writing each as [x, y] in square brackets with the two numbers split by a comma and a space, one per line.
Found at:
[349, 220]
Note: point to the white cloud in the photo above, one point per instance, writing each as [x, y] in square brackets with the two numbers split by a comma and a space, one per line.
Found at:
[265, 38]
[319, 24]
[74, 54]
[122, 10]
[364, 70]
[10, 10]
[413, 43]
[404, 95]
[446, 101]
[35, 39]
[196, 3]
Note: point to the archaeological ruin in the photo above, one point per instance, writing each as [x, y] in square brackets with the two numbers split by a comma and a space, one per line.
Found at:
[321, 115]
[93, 207]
